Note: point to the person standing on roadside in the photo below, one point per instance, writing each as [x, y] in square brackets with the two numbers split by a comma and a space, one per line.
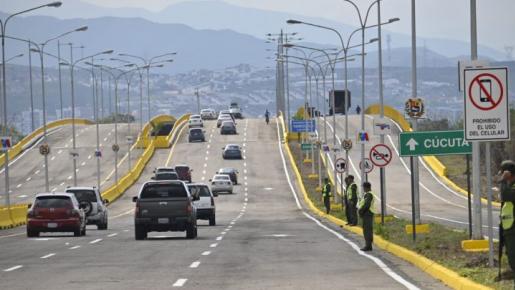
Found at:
[351, 194]
[507, 179]
[366, 210]
[326, 195]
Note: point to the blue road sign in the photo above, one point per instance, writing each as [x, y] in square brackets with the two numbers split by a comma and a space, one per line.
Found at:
[299, 126]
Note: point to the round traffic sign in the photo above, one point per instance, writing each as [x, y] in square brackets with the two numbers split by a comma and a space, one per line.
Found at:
[341, 165]
[368, 166]
[486, 91]
[115, 147]
[381, 155]
[347, 144]
[44, 149]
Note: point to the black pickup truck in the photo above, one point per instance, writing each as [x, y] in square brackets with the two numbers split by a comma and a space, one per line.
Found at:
[165, 206]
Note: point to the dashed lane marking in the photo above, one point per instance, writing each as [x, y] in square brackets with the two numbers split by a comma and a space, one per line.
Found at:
[59, 151]
[89, 157]
[95, 241]
[48, 256]
[112, 235]
[70, 177]
[195, 264]
[22, 196]
[61, 184]
[219, 238]
[28, 178]
[213, 245]
[179, 283]
[13, 268]
[19, 185]
[53, 158]
[54, 189]
[206, 253]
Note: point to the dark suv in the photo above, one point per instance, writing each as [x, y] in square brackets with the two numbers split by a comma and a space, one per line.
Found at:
[184, 172]
[196, 134]
[165, 206]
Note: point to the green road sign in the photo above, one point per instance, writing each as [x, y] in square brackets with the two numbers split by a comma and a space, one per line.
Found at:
[433, 143]
[305, 146]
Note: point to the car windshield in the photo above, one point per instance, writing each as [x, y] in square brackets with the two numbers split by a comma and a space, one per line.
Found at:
[153, 191]
[165, 170]
[84, 195]
[53, 202]
[201, 189]
[226, 170]
[221, 177]
[233, 147]
[195, 117]
[196, 132]
[167, 176]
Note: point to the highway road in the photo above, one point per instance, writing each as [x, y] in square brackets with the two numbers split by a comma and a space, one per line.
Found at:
[438, 202]
[265, 238]
[27, 176]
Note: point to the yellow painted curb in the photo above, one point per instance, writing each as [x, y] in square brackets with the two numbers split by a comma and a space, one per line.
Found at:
[420, 229]
[387, 218]
[313, 176]
[475, 245]
[449, 277]
[318, 189]
[307, 161]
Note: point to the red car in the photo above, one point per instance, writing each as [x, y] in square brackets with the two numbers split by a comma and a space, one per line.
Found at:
[55, 212]
[184, 172]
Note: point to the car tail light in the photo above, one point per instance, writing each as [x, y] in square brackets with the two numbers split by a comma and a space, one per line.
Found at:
[137, 212]
[212, 201]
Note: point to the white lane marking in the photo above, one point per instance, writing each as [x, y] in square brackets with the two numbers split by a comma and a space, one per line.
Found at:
[245, 164]
[233, 222]
[53, 158]
[19, 185]
[47, 256]
[66, 145]
[245, 177]
[179, 283]
[203, 171]
[22, 196]
[205, 164]
[229, 227]
[219, 238]
[195, 264]
[95, 241]
[122, 214]
[206, 253]
[207, 152]
[13, 268]
[61, 184]
[105, 139]
[37, 171]
[112, 235]
[89, 157]
[246, 189]
[207, 158]
[245, 171]
[12, 235]
[223, 233]
[246, 199]
[213, 245]
[83, 163]
[28, 178]
[208, 146]
[125, 230]
[69, 177]
[71, 140]
[203, 178]
[54, 189]
[60, 151]
[77, 170]
[376, 260]
[246, 183]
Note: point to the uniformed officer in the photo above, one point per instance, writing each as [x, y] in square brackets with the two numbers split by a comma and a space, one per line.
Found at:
[351, 193]
[507, 176]
[326, 195]
[366, 209]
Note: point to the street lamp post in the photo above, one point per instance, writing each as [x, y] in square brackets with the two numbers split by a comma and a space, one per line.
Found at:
[32, 125]
[3, 26]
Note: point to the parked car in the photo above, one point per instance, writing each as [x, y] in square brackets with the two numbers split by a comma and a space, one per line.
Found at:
[93, 205]
[232, 151]
[221, 183]
[184, 172]
[195, 121]
[165, 176]
[208, 114]
[228, 127]
[232, 172]
[206, 209]
[235, 110]
[165, 206]
[223, 118]
[196, 134]
[55, 212]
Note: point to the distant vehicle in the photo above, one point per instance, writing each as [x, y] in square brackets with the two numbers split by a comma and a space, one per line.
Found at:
[184, 172]
[91, 202]
[235, 110]
[165, 206]
[196, 134]
[232, 172]
[164, 169]
[222, 118]
[224, 112]
[165, 176]
[221, 183]
[206, 209]
[228, 127]
[55, 212]
[208, 114]
[232, 151]
[195, 121]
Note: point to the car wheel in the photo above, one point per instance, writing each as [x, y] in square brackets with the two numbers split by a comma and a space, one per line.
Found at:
[102, 226]
[212, 220]
[32, 234]
[140, 233]
[83, 231]
[230, 191]
[191, 231]
[77, 232]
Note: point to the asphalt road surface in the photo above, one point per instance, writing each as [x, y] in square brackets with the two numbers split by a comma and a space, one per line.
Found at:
[27, 172]
[264, 237]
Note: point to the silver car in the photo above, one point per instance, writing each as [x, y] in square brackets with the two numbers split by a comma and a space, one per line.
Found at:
[94, 207]
[221, 183]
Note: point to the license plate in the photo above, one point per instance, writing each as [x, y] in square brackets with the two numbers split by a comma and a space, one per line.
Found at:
[52, 225]
[162, 220]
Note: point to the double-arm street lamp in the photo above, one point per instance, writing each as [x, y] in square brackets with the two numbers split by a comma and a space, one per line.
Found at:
[3, 28]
